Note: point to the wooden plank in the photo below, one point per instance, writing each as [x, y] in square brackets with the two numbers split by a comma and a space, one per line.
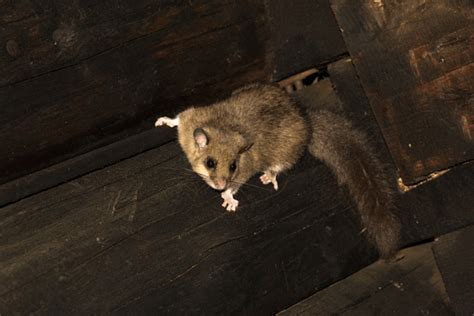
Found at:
[51, 35]
[412, 285]
[73, 168]
[455, 256]
[78, 75]
[48, 37]
[303, 34]
[416, 64]
[432, 209]
[438, 206]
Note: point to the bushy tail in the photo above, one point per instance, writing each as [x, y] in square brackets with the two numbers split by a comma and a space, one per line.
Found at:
[353, 160]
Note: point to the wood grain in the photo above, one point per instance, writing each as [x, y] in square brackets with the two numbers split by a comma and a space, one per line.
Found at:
[411, 285]
[416, 64]
[75, 167]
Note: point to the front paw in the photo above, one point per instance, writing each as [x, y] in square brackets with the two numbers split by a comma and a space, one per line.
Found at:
[268, 177]
[230, 204]
[164, 120]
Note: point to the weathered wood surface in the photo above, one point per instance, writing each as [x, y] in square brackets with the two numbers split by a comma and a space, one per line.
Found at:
[78, 75]
[415, 61]
[412, 285]
[145, 235]
[75, 167]
[438, 206]
[431, 209]
[454, 255]
[303, 34]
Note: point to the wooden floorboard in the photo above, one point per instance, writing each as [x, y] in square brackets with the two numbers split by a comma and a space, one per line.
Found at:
[75, 167]
[412, 285]
[415, 61]
[124, 236]
[303, 34]
[431, 209]
[454, 255]
[439, 206]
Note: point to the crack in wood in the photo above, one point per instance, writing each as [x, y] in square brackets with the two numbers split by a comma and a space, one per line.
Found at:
[427, 178]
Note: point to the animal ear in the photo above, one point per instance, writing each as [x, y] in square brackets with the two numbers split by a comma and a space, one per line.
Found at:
[245, 148]
[200, 137]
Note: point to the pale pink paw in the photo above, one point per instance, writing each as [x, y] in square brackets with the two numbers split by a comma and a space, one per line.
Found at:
[167, 121]
[230, 204]
[267, 178]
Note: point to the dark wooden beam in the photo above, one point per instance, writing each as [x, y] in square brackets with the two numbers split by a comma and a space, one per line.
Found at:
[75, 167]
[303, 34]
[415, 61]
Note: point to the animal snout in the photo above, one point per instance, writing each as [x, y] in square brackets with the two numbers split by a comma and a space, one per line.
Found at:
[220, 184]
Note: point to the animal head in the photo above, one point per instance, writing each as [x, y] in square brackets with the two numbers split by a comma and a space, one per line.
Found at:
[218, 155]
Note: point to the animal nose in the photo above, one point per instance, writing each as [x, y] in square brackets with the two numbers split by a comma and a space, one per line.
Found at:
[220, 184]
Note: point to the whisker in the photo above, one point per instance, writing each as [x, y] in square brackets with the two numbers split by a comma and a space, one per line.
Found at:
[200, 174]
[206, 177]
[178, 177]
[251, 185]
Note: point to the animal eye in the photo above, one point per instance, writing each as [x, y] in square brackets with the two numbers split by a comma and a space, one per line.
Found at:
[233, 166]
[210, 163]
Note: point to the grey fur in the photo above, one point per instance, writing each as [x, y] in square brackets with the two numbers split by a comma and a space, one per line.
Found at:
[355, 163]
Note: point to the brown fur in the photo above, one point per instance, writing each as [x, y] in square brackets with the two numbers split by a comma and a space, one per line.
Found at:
[263, 116]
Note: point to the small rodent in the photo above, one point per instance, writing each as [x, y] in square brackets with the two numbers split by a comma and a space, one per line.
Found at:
[259, 129]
